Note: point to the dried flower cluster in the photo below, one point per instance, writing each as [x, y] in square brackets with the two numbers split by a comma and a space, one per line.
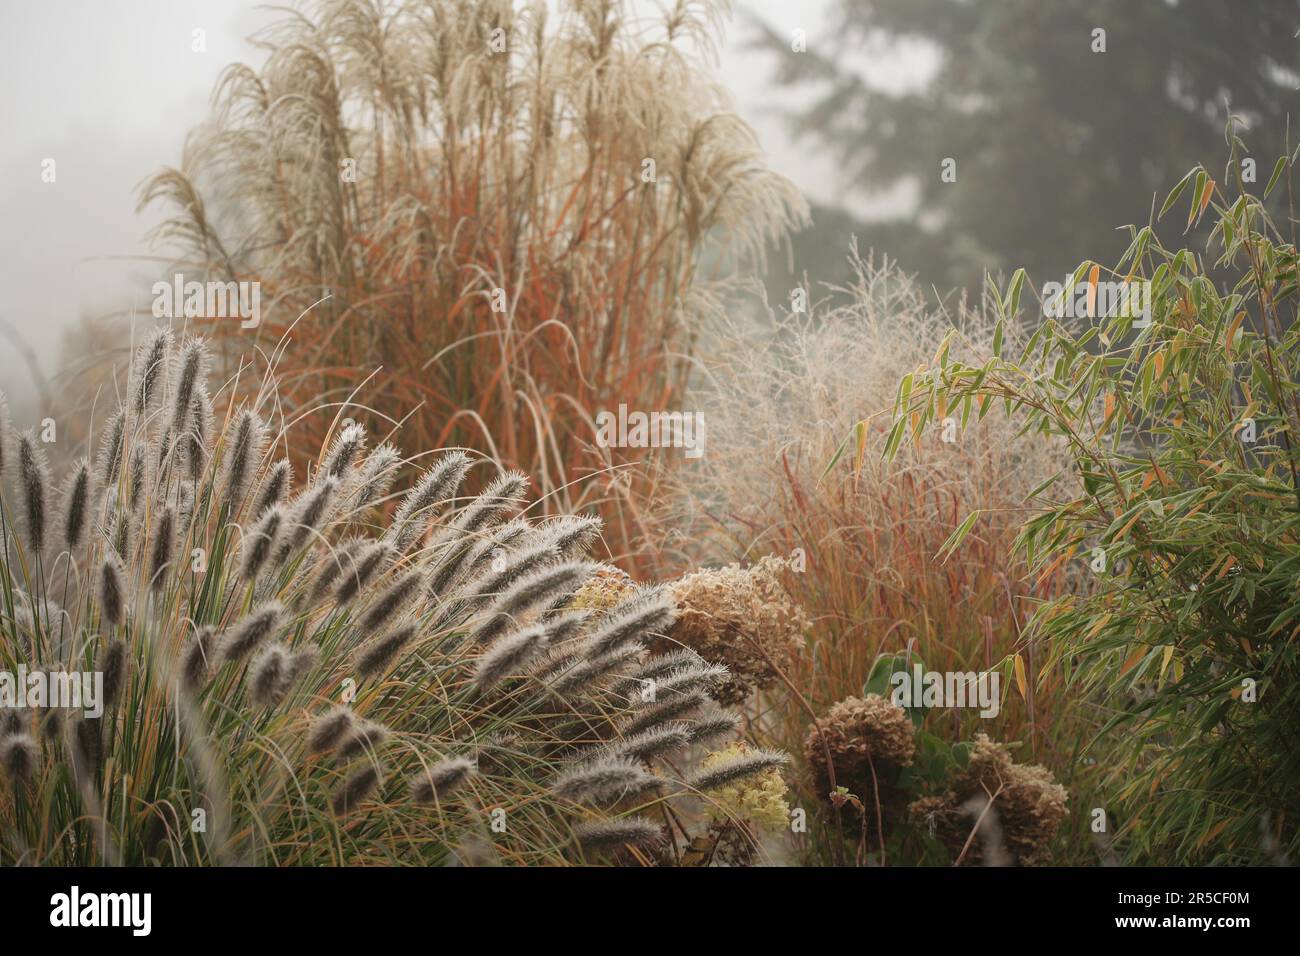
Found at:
[741, 617]
[604, 589]
[1028, 806]
[868, 741]
[426, 669]
[759, 800]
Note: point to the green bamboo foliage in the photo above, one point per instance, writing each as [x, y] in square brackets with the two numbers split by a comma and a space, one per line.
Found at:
[1183, 431]
[292, 677]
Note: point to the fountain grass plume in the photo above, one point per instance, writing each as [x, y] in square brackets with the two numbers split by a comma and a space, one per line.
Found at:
[262, 660]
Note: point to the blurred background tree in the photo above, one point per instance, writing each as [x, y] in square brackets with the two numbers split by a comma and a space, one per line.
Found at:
[1055, 145]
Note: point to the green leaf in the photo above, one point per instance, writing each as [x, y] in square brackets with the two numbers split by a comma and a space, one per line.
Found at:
[957, 537]
[1277, 174]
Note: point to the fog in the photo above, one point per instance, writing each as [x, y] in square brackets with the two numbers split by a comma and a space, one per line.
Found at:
[107, 89]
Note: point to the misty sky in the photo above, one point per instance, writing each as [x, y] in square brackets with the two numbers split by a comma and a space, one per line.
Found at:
[108, 90]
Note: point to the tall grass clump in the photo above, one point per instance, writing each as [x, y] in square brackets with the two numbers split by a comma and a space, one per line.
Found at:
[501, 208]
[324, 671]
[1182, 430]
[858, 538]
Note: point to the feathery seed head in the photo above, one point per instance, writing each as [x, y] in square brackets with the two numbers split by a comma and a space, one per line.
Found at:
[355, 790]
[738, 767]
[112, 664]
[19, 756]
[509, 654]
[654, 742]
[393, 601]
[163, 542]
[345, 450]
[198, 656]
[276, 485]
[76, 507]
[674, 708]
[441, 779]
[243, 452]
[112, 589]
[531, 593]
[379, 653]
[604, 835]
[151, 370]
[377, 475]
[191, 370]
[251, 630]
[713, 724]
[329, 729]
[605, 780]
[260, 541]
[366, 737]
[268, 675]
[650, 612]
[434, 487]
[359, 567]
[109, 462]
[34, 478]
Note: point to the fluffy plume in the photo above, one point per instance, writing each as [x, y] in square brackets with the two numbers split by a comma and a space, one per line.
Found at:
[654, 742]
[355, 790]
[501, 498]
[19, 756]
[648, 613]
[268, 674]
[604, 781]
[603, 835]
[359, 568]
[366, 737]
[379, 653]
[275, 487]
[714, 724]
[163, 543]
[260, 541]
[329, 730]
[151, 370]
[435, 486]
[392, 601]
[377, 475]
[191, 370]
[243, 452]
[665, 710]
[311, 509]
[658, 667]
[194, 439]
[582, 674]
[76, 507]
[112, 664]
[532, 592]
[738, 767]
[347, 448]
[441, 779]
[109, 462]
[251, 630]
[509, 654]
[34, 478]
[571, 535]
[197, 656]
[112, 589]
